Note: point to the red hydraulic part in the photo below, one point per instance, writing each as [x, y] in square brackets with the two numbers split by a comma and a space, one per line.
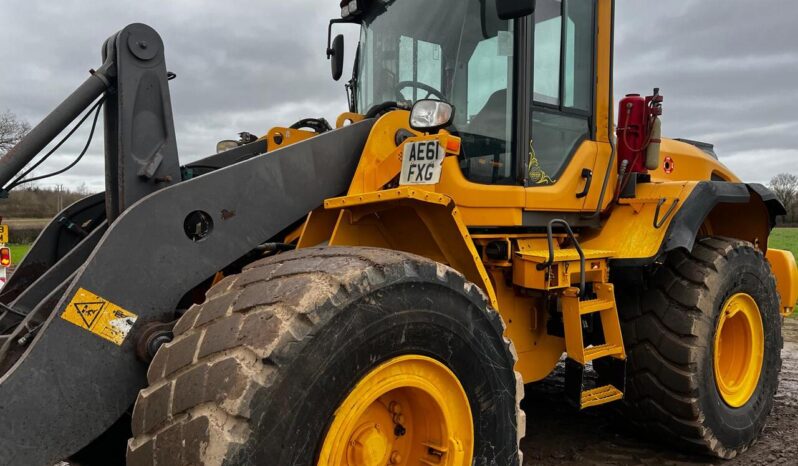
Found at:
[639, 132]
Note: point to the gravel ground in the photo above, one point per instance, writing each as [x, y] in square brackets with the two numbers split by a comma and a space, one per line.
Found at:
[558, 435]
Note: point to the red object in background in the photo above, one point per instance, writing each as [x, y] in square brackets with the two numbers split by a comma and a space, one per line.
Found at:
[635, 118]
[5, 257]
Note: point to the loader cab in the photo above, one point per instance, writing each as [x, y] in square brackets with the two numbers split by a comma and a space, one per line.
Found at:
[523, 89]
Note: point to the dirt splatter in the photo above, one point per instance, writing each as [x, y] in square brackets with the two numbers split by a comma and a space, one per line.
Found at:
[557, 435]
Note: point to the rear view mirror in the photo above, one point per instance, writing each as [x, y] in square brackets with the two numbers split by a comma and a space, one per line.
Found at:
[336, 54]
[512, 9]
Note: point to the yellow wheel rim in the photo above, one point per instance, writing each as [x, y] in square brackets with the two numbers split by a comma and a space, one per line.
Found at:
[739, 349]
[410, 410]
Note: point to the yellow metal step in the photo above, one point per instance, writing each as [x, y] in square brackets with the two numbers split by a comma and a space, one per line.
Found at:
[599, 396]
[601, 351]
[595, 305]
[564, 255]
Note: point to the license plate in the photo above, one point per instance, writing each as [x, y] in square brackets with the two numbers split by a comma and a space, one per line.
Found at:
[421, 163]
[3, 233]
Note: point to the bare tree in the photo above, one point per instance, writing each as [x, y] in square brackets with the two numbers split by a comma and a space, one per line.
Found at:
[12, 130]
[785, 186]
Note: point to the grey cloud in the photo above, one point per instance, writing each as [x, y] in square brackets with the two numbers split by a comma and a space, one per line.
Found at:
[728, 69]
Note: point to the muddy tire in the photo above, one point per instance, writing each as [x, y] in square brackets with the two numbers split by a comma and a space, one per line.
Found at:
[669, 330]
[255, 374]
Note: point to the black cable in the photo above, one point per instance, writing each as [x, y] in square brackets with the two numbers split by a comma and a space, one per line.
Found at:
[19, 181]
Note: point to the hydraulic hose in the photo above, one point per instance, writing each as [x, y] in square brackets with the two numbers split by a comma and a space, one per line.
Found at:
[30, 146]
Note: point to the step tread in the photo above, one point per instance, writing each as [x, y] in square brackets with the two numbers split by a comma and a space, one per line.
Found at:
[600, 351]
[595, 305]
[599, 396]
[564, 255]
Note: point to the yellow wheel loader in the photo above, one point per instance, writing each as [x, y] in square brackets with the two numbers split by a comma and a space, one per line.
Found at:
[378, 293]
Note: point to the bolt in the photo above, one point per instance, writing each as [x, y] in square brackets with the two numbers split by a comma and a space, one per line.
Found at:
[142, 44]
[395, 407]
[396, 458]
[398, 419]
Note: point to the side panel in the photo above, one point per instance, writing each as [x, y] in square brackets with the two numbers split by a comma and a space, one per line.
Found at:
[668, 216]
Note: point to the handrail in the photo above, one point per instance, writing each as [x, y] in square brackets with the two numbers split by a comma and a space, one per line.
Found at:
[550, 261]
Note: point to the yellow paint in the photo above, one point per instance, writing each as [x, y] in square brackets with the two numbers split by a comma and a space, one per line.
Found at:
[573, 309]
[738, 350]
[99, 316]
[3, 233]
[629, 227]
[599, 396]
[411, 220]
[525, 317]
[279, 137]
[437, 221]
[348, 117]
[563, 273]
[690, 164]
[418, 393]
[786, 271]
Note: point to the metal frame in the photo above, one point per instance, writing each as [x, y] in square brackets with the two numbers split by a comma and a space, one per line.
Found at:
[144, 259]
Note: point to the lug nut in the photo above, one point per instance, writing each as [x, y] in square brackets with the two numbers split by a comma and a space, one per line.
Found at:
[396, 458]
[395, 407]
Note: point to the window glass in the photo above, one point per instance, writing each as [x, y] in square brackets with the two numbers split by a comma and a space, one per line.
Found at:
[419, 61]
[555, 137]
[579, 74]
[548, 48]
[487, 73]
[487, 148]
[462, 50]
[561, 51]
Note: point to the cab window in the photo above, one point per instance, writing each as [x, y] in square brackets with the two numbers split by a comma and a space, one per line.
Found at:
[563, 75]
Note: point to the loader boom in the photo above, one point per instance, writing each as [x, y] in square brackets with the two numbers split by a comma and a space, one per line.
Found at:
[64, 383]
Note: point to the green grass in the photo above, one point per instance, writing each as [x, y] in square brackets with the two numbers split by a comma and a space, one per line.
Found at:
[18, 252]
[787, 239]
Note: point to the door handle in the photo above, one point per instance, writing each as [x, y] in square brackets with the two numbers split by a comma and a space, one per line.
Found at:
[587, 174]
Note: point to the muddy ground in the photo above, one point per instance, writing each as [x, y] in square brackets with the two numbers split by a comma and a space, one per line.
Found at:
[557, 435]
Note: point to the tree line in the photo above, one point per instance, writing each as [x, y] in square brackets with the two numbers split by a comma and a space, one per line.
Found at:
[36, 202]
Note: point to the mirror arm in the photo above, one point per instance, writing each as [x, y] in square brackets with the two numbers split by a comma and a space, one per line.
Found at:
[330, 51]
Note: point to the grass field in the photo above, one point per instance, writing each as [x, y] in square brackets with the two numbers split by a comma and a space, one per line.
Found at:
[18, 252]
[785, 238]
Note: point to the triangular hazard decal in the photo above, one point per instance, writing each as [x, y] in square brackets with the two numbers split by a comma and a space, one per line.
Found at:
[89, 312]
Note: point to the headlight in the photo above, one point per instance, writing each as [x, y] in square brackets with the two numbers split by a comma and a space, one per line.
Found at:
[431, 115]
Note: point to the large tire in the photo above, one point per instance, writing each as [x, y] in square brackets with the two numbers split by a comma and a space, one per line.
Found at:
[255, 374]
[669, 326]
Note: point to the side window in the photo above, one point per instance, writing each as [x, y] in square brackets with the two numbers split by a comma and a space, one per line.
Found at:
[563, 79]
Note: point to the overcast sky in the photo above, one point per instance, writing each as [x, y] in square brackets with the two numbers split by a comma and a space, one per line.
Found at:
[728, 69]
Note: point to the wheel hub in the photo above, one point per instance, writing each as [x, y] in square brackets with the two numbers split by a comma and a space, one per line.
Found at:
[739, 350]
[369, 446]
[410, 410]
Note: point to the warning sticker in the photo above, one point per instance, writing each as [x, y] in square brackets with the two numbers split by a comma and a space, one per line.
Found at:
[99, 316]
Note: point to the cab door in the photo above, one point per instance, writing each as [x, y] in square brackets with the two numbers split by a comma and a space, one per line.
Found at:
[562, 170]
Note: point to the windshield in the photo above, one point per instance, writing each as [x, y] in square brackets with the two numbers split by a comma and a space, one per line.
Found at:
[453, 50]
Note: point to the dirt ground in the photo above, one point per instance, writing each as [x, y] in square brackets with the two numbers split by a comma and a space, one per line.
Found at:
[558, 435]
